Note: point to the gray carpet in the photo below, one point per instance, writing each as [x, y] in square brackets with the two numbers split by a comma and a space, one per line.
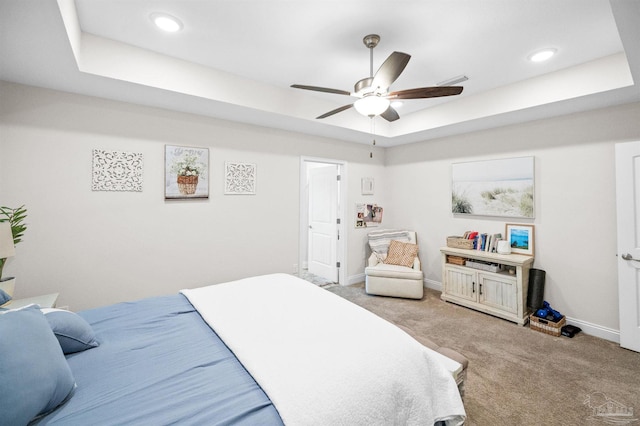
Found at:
[518, 376]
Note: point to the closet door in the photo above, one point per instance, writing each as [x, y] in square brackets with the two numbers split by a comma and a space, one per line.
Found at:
[628, 212]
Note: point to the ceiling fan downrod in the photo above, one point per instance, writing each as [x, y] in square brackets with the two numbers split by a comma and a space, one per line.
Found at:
[370, 41]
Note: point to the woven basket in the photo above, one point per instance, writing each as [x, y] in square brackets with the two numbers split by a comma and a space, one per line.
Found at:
[459, 242]
[456, 260]
[187, 184]
[547, 327]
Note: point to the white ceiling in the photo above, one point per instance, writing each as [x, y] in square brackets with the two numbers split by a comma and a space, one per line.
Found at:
[236, 59]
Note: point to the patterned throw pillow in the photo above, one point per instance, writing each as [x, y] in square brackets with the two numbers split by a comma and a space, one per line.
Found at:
[379, 241]
[402, 254]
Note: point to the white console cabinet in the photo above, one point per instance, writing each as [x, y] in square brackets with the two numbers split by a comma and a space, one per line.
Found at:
[500, 294]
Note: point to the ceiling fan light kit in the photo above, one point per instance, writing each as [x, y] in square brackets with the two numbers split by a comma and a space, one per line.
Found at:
[374, 97]
[371, 105]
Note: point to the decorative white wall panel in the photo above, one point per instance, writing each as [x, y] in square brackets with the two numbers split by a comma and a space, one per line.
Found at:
[117, 171]
[240, 178]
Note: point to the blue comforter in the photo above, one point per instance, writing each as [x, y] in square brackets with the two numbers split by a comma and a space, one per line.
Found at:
[159, 363]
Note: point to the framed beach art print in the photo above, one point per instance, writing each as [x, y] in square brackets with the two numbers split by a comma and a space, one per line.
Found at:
[520, 238]
[502, 187]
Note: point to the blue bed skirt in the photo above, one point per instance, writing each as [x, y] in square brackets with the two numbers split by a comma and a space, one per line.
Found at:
[159, 363]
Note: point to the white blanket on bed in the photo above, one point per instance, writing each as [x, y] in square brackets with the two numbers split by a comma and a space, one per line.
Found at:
[323, 360]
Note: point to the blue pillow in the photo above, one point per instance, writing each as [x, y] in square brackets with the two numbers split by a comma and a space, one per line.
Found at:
[72, 331]
[34, 373]
[4, 297]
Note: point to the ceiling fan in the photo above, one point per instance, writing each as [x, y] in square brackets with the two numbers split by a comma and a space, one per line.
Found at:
[373, 93]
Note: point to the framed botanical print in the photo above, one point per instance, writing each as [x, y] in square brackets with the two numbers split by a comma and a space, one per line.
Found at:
[186, 170]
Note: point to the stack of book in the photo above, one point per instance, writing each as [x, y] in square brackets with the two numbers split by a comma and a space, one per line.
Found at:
[484, 242]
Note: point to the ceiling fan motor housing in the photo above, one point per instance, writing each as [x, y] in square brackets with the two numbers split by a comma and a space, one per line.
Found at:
[360, 87]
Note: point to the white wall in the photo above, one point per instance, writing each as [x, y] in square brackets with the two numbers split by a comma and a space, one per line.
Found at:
[97, 248]
[575, 223]
[358, 236]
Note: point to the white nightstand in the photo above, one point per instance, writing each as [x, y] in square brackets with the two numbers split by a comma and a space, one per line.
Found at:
[46, 301]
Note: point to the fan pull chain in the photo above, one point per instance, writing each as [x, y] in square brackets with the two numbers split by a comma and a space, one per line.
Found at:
[373, 133]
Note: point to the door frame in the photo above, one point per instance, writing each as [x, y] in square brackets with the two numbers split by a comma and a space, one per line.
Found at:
[342, 214]
[627, 269]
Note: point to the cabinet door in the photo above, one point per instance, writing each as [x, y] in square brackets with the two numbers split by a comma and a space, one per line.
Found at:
[498, 291]
[460, 282]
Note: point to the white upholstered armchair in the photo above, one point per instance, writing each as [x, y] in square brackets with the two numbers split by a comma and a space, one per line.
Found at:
[393, 269]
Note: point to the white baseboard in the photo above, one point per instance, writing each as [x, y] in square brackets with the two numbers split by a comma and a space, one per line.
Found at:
[587, 327]
[434, 285]
[596, 330]
[355, 279]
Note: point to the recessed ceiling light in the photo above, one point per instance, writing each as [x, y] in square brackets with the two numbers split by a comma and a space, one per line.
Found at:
[166, 22]
[542, 55]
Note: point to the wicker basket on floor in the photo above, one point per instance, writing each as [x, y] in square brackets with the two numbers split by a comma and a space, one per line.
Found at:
[545, 326]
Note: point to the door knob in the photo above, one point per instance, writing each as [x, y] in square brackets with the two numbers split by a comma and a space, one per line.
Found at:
[627, 256]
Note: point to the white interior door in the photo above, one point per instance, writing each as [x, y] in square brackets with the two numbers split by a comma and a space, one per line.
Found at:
[628, 212]
[323, 228]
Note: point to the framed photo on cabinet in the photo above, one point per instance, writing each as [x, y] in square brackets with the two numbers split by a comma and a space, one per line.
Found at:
[520, 238]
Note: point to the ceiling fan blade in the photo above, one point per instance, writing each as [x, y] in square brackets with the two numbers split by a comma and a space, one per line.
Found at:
[426, 92]
[321, 89]
[390, 114]
[335, 111]
[390, 70]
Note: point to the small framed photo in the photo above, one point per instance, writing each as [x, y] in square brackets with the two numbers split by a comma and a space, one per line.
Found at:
[520, 238]
[367, 186]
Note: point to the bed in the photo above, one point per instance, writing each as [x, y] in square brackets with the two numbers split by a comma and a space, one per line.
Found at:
[265, 350]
